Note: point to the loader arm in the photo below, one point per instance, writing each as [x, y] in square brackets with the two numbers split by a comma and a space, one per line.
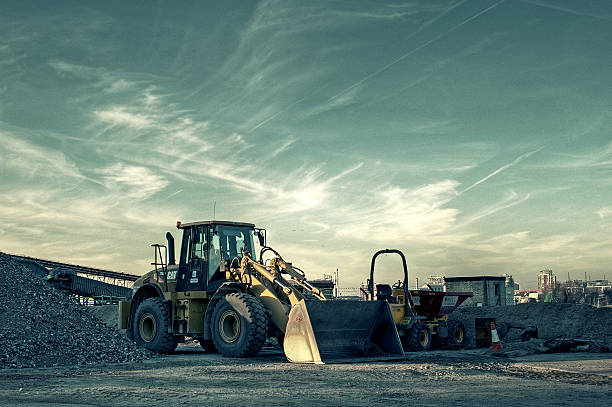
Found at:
[318, 331]
[267, 284]
[297, 275]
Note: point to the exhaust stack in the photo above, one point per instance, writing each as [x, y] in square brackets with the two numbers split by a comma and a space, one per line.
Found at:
[171, 258]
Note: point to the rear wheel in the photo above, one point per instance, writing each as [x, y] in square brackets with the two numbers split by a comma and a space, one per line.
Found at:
[418, 338]
[150, 327]
[456, 334]
[239, 325]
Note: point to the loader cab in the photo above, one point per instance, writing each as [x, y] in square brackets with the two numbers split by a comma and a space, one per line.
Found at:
[207, 249]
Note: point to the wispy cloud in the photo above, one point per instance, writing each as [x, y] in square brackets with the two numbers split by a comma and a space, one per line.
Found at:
[135, 181]
[420, 47]
[119, 116]
[30, 158]
[590, 158]
[501, 169]
[564, 9]
[604, 211]
[512, 199]
[390, 213]
[120, 85]
[174, 193]
[284, 147]
[345, 99]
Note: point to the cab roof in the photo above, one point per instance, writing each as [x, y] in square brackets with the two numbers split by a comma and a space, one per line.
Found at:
[181, 225]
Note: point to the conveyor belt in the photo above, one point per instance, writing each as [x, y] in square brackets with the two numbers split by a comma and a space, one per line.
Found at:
[65, 277]
[87, 287]
[79, 269]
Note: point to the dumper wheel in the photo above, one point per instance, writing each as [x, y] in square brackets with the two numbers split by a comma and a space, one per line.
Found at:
[456, 334]
[239, 325]
[150, 328]
[418, 338]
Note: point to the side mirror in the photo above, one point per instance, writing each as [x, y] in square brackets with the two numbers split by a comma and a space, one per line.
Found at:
[261, 236]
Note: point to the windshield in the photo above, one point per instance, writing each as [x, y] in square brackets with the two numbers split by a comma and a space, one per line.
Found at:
[229, 241]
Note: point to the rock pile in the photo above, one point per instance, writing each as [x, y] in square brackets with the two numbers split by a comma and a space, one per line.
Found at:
[552, 320]
[41, 326]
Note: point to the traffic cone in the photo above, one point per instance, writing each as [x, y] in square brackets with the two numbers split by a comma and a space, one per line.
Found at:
[496, 345]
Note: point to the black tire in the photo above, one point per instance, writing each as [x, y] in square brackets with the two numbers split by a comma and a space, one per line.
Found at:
[150, 327]
[208, 345]
[418, 338]
[456, 334]
[239, 325]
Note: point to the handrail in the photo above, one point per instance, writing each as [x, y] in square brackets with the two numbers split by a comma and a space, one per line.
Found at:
[371, 284]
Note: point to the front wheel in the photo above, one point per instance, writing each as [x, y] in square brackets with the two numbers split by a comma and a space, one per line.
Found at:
[150, 327]
[208, 346]
[239, 325]
[418, 338]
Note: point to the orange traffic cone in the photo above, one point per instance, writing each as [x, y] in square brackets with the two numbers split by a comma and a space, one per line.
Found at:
[496, 345]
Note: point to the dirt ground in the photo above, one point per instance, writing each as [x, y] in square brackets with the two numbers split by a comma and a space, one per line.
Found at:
[192, 377]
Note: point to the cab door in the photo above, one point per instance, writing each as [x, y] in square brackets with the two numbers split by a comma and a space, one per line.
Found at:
[193, 268]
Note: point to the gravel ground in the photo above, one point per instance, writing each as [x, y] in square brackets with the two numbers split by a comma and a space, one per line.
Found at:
[191, 377]
[41, 326]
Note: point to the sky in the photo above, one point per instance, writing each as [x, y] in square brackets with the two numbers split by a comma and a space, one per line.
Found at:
[472, 135]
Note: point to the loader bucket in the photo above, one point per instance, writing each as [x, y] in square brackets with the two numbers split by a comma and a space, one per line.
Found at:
[340, 332]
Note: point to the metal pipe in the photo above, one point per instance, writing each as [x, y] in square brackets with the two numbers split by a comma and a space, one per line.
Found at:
[171, 256]
[285, 289]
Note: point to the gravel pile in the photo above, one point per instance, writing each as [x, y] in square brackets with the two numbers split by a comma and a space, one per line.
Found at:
[109, 314]
[552, 320]
[42, 327]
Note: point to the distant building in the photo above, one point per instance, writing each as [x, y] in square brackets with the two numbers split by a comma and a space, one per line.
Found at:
[488, 290]
[522, 296]
[598, 285]
[510, 286]
[546, 281]
[435, 283]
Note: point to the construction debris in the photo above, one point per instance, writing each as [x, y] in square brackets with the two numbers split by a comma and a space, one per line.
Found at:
[554, 345]
[549, 320]
[41, 326]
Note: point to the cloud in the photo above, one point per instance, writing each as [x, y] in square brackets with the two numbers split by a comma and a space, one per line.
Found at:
[135, 181]
[512, 199]
[604, 211]
[119, 116]
[119, 85]
[32, 159]
[80, 71]
[568, 10]
[283, 147]
[594, 157]
[392, 213]
[501, 169]
[341, 100]
[420, 47]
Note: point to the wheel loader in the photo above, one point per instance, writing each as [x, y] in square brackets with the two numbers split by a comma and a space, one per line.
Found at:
[231, 301]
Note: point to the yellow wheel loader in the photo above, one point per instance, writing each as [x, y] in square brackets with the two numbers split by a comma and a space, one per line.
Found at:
[231, 302]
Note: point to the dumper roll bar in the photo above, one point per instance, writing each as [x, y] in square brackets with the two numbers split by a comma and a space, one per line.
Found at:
[371, 285]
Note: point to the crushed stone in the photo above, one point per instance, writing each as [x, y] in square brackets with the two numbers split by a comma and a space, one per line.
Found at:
[41, 326]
